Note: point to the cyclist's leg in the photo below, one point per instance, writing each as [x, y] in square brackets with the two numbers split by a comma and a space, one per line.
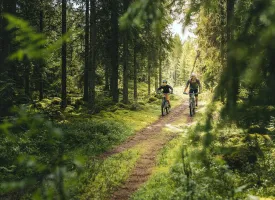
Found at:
[191, 91]
[167, 98]
[197, 96]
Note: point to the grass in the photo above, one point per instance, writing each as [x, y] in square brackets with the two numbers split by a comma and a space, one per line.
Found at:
[160, 185]
[91, 135]
[188, 155]
[111, 173]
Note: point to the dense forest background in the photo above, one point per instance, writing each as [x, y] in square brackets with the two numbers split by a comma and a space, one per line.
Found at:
[62, 62]
[97, 57]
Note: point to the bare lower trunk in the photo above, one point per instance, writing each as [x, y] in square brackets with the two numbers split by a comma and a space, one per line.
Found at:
[149, 74]
[92, 70]
[160, 70]
[135, 74]
[87, 52]
[41, 64]
[114, 50]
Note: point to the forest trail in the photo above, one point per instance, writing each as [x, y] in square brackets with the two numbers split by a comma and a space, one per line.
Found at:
[153, 138]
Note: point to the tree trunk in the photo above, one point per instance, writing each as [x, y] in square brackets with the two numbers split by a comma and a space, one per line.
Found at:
[222, 47]
[156, 79]
[1, 36]
[64, 56]
[27, 77]
[87, 53]
[135, 72]
[41, 63]
[160, 68]
[175, 74]
[8, 6]
[125, 59]
[114, 50]
[92, 70]
[233, 70]
[149, 73]
[107, 77]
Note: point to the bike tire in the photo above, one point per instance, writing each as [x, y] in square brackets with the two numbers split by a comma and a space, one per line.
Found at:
[162, 108]
[191, 110]
[167, 110]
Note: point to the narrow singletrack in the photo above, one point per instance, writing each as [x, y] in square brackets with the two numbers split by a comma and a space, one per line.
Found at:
[153, 140]
[149, 132]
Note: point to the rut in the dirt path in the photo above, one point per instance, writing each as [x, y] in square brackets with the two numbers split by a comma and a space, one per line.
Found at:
[149, 132]
[154, 141]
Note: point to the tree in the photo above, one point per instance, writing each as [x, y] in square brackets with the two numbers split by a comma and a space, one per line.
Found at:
[64, 56]
[114, 50]
[92, 71]
[125, 58]
[41, 63]
[87, 51]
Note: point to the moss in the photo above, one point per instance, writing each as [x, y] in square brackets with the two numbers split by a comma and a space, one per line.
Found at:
[109, 175]
[238, 158]
[135, 107]
[152, 99]
[56, 101]
[69, 109]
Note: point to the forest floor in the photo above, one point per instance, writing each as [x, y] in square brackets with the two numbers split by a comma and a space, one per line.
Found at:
[152, 139]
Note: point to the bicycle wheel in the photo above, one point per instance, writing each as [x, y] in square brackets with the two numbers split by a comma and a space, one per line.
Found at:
[191, 109]
[167, 108]
[162, 108]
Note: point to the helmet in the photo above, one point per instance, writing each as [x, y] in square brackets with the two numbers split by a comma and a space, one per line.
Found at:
[193, 74]
[164, 81]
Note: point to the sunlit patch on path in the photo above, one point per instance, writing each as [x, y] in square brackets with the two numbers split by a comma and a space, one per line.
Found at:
[172, 128]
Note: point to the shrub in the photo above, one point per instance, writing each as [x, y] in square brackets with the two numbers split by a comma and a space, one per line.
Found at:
[238, 158]
[152, 99]
[135, 107]
[56, 101]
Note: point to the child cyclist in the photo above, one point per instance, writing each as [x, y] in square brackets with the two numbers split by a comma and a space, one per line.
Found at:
[166, 90]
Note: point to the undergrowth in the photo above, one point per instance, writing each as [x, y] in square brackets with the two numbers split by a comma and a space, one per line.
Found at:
[224, 162]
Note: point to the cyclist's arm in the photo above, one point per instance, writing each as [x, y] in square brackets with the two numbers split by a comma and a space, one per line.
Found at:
[187, 84]
[200, 86]
[159, 88]
[171, 89]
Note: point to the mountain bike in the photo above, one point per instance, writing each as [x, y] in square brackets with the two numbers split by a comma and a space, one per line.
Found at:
[192, 104]
[165, 108]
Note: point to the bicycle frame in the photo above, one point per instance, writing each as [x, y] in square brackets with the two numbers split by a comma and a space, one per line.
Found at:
[192, 103]
[164, 106]
[191, 98]
[164, 102]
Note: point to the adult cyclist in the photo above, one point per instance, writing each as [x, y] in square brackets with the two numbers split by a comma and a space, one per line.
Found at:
[194, 86]
[166, 90]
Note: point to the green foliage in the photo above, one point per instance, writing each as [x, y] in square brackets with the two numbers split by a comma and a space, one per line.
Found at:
[143, 11]
[32, 45]
[93, 136]
[31, 152]
[152, 99]
[111, 173]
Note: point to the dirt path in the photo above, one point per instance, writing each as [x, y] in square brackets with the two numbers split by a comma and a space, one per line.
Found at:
[153, 141]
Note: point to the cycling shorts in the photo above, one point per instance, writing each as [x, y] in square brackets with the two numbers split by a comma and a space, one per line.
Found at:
[194, 91]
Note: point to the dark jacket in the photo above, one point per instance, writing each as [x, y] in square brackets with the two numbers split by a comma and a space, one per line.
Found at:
[166, 88]
[194, 85]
